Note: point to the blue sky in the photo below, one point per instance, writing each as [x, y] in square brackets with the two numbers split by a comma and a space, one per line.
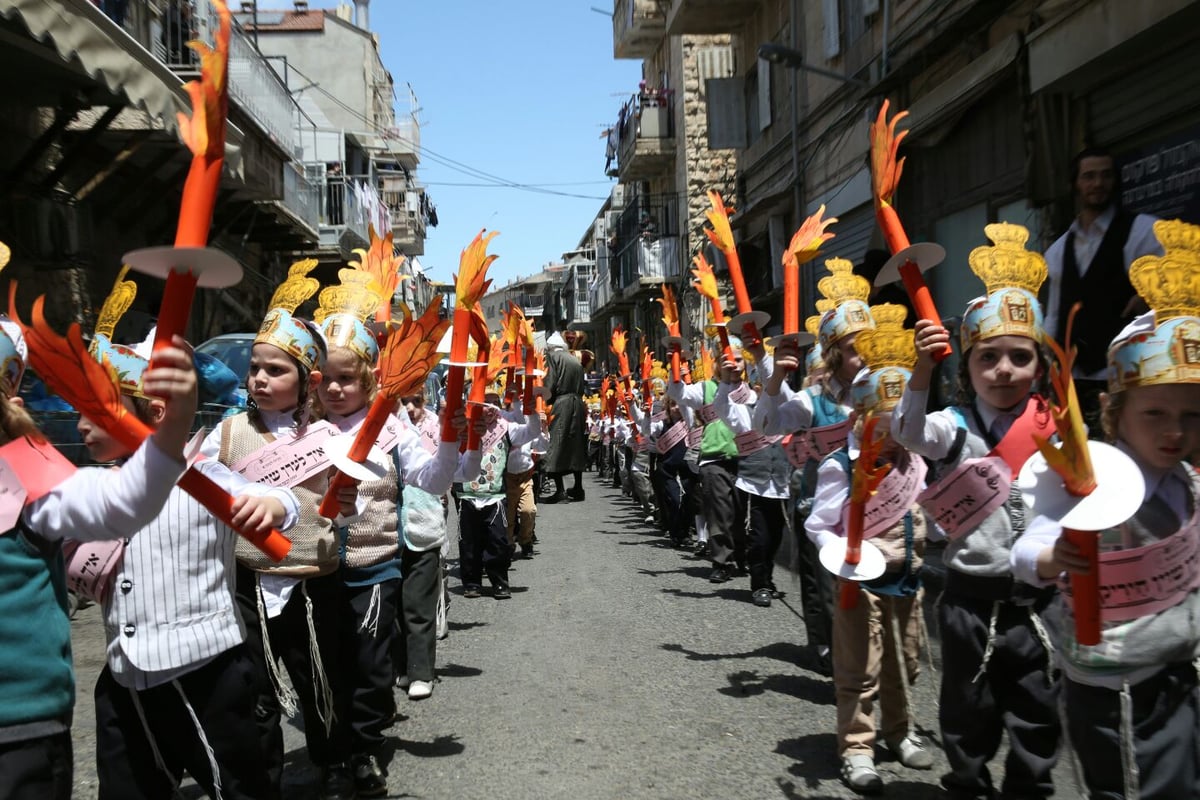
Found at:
[521, 90]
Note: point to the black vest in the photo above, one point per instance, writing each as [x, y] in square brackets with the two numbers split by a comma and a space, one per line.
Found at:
[1104, 292]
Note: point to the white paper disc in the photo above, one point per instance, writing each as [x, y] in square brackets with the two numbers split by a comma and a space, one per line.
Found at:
[870, 565]
[338, 450]
[925, 255]
[466, 363]
[1119, 491]
[214, 269]
[673, 341]
[444, 345]
[738, 325]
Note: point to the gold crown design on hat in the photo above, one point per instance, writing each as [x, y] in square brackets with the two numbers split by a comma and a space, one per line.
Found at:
[279, 328]
[5, 255]
[357, 294]
[1162, 346]
[889, 343]
[297, 288]
[845, 294]
[1007, 264]
[116, 304]
[1170, 283]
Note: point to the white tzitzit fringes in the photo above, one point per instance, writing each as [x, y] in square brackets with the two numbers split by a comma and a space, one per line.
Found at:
[212, 756]
[991, 642]
[370, 621]
[284, 694]
[158, 759]
[1067, 746]
[322, 693]
[1044, 637]
[1129, 765]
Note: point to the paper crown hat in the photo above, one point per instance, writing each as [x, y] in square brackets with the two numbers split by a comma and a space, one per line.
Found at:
[814, 359]
[889, 354]
[1012, 276]
[124, 363]
[1162, 346]
[843, 310]
[14, 352]
[290, 334]
[344, 310]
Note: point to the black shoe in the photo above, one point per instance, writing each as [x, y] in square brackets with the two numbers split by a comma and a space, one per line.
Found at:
[338, 783]
[472, 591]
[701, 548]
[557, 497]
[576, 494]
[502, 593]
[368, 777]
[718, 575]
[762, 598]
[527, 551]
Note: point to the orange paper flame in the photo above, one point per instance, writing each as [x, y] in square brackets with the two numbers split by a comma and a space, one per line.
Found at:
[470, 283]
[670, 309]
[618, 341]
[707, 364]
[867, 475]
[409, 351]
[806, 242]
[885, 144]
[204, 132]
[1072, 461]
[647, 364]
[721, 234]
[706, 280]
[73, 374]
[383, 265]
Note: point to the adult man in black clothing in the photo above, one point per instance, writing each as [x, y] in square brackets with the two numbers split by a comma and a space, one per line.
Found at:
[1089, 264]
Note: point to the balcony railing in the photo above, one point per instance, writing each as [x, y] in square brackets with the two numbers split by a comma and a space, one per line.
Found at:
[164, 27]
[648, 261]
[645, 143]
[301, 197]
[351, 202]
[600, 293]
[639, 27]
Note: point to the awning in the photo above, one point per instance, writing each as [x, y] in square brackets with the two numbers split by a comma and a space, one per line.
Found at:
[83, 35]
[930, 112]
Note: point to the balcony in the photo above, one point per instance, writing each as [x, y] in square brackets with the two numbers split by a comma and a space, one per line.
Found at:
[404, 202]
[647, 263]
[639, 28]
[404, 141]
[301, 197]
[600, 293]
[646, 139]
[708, 16]
[349, 206]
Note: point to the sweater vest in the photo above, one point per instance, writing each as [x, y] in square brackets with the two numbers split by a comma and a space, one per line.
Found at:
[314, 545]
[37, 689]
[374, 537]
[769, 465]
[1104, 292]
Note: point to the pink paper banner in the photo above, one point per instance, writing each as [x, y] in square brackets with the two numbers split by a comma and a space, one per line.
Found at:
[671, 437]
[91, 566]
[430, 432]
[1143, 581]
[289, 462]
[706, 413]
[741, 394]
[694, 436]
[965, 497]
[892, 499]
[816, 443]
[752, 441]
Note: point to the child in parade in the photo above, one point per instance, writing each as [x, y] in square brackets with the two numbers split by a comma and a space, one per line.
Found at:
[37, 693]
[483, 538]
[291, 608]
[672, 446]
[996, 673]
[877, 641]
[518, 486]
[424, 542]
[637, 454]
[1132, 710]
[370, 570]
[718, 471]
[817, 420]
[762, 477]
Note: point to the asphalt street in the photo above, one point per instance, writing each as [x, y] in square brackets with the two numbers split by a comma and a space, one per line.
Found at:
[615, 671]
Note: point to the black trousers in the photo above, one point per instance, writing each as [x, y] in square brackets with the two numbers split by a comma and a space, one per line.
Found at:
[764, 528]
[37, 769]
[222, 694]
[368, 627]
[290, 644]
[414, 648]
[1014, 694]
[722, 503]
[1166, 735]
[483, 544]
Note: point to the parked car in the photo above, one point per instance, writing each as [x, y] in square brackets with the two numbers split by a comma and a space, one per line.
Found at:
[232, 350]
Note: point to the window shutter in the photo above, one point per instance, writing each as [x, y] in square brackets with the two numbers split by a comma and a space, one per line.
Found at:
[726, 113]
[833, 32]
[764, 94]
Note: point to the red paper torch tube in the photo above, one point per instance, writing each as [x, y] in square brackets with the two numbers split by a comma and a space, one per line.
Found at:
[791, 299]
[922, 300]
[848, 593]
[176, 308]
[527, 404]
[220, 504]
[368, 434]
[475, 404]
[1085, 589]
[456, 376]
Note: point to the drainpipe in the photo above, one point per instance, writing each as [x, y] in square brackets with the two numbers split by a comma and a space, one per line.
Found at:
[887, 26]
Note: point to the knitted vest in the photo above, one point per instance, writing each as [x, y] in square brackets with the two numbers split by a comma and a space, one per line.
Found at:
[373, 538]
[314, 546]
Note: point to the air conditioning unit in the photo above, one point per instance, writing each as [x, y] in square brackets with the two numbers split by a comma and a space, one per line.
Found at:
[617, 197]
[598, 230]
[611, 220]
